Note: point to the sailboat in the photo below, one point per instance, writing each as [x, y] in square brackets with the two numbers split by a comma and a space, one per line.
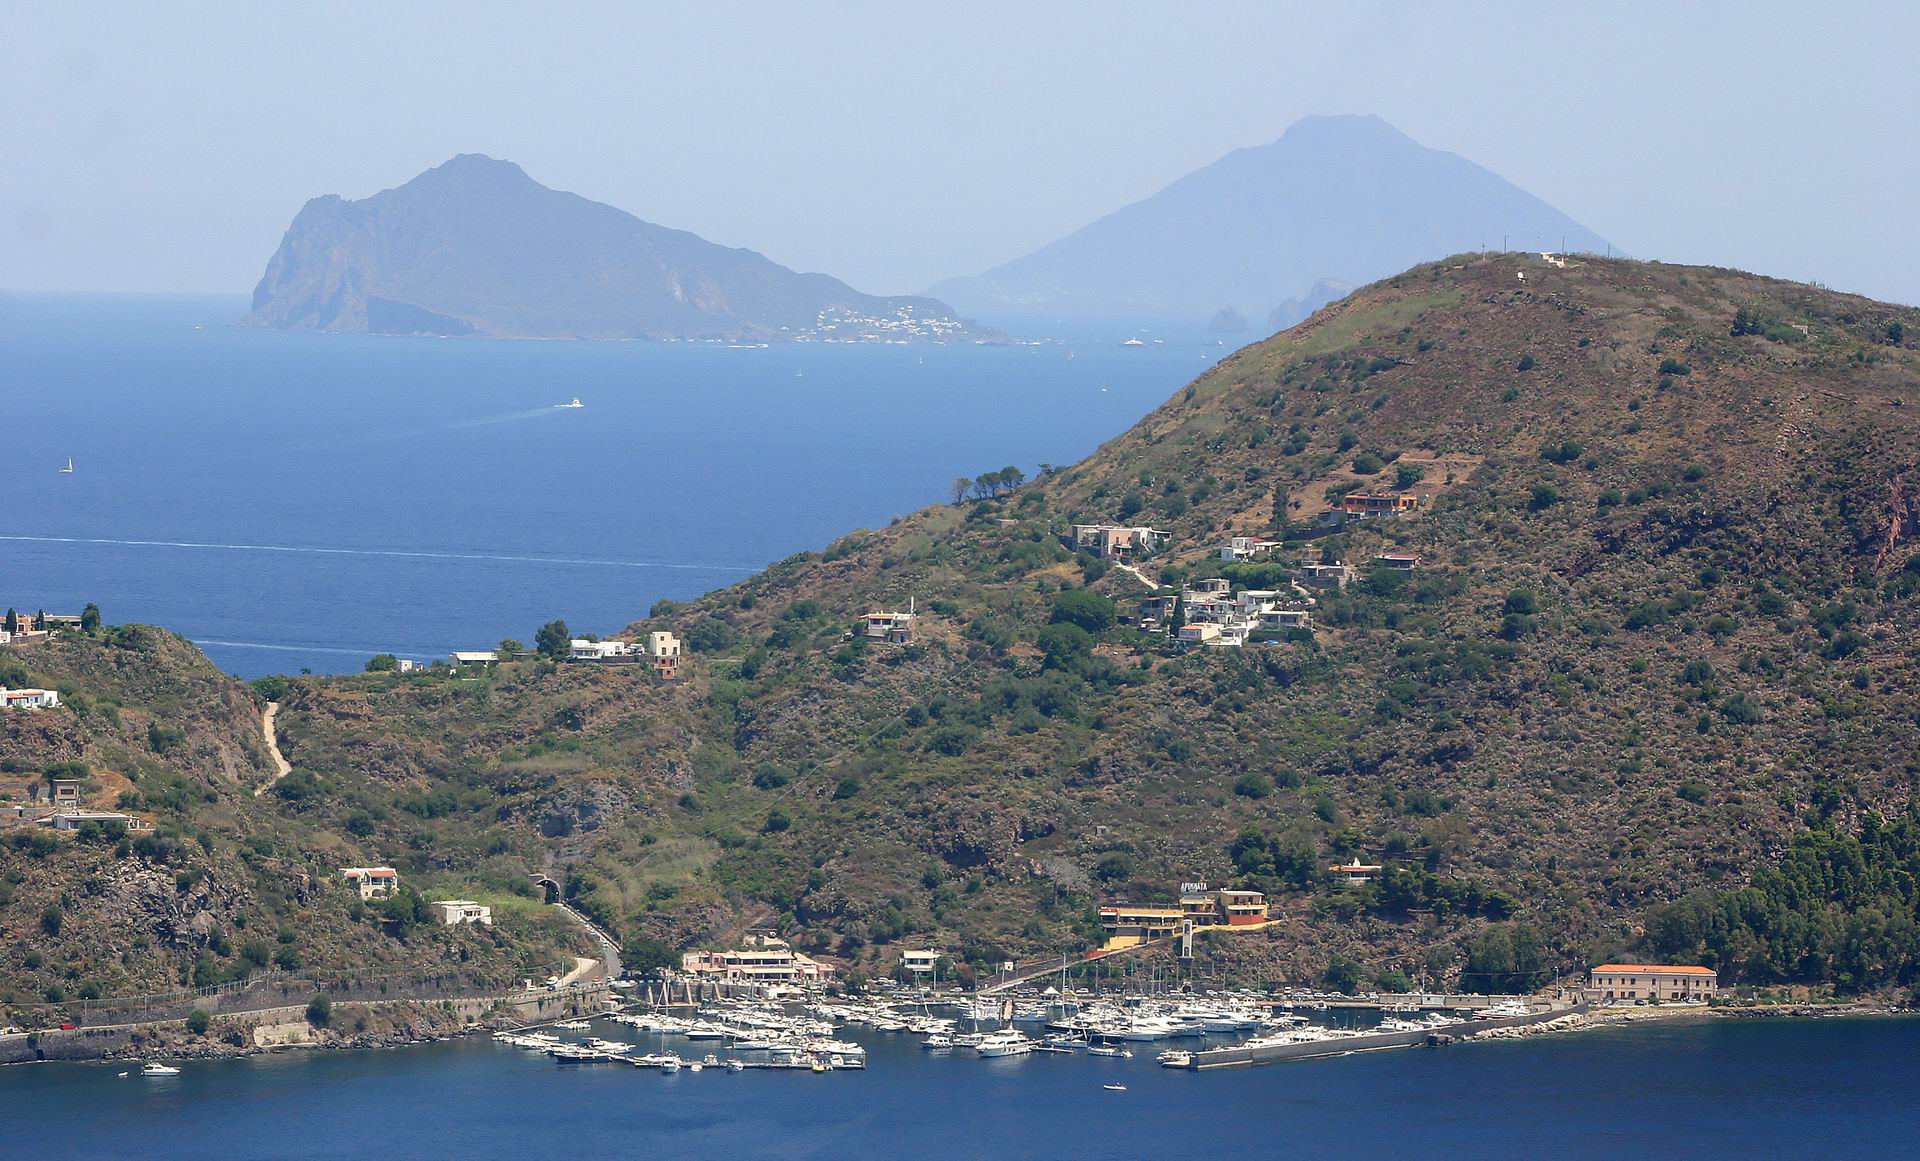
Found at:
[68, 470]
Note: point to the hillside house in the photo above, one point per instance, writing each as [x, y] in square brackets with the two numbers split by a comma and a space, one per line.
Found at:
[1157, 611]
[664, 650]
[452, 912]
[1118, 542]
[1226, 907]
[1194, 634]
[75, 819]
[63, 791]
[1129, 923]
[1397, 561]
[474, 658]
[609, 650]
[1283, 619]
[1213, 586]
[1374, 505]
[893, 628]
[1324, 576]
[372, 882]
[1652, 981]
[1354, 873]
[920, 963]
[1242, 548]
[29, 699]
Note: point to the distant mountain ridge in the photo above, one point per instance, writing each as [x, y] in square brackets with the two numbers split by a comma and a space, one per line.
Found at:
[476, 247]
[1339, 200]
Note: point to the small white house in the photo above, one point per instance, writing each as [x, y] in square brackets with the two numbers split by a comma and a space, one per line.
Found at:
[477, 657]
[28, 699]
[920, 963]
[453, 911]
[579, 650]
[75, 819]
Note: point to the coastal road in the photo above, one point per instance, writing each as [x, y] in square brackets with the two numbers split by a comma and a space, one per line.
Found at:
[609, 947]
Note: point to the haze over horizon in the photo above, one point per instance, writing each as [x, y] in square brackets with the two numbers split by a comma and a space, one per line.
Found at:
[892, 148]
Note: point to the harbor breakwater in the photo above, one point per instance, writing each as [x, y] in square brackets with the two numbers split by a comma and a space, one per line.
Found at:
[1375, 1041]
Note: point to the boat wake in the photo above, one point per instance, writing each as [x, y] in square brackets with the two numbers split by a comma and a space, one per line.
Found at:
[386, 552]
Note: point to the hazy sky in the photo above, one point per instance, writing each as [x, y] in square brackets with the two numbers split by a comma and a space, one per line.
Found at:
[166, 146]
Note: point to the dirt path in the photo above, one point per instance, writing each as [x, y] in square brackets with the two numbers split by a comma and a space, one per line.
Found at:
[1142, 577]
[281, 767]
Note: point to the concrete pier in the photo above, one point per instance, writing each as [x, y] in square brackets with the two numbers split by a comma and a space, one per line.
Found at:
[1371, 1042]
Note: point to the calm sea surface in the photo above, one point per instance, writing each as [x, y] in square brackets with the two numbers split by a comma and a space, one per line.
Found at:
[1717, 1089]
[296, 500]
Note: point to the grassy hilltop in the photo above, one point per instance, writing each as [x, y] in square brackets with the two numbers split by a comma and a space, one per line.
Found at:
[1652, 691]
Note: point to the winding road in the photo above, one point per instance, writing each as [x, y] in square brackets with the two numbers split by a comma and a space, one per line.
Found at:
[281, 767]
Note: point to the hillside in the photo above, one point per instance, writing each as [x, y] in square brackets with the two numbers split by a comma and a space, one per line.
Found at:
[1337, 200]
[219, 884]
[1650, 692]
[476, 247]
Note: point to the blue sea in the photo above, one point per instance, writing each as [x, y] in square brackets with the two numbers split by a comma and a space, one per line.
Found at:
[300, 501]
[1718, 1089]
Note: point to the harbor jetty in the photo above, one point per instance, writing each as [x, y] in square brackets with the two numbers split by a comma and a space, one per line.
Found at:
[1253, 1053]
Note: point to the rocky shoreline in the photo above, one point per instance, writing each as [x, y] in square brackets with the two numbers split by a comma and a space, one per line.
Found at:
[350, 1025]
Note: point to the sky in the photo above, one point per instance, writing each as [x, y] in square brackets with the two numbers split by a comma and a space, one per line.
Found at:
[165, 147]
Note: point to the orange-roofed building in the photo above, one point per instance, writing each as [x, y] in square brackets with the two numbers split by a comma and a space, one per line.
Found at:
[1652, 981]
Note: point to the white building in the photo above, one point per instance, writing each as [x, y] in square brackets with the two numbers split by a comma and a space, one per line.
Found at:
[1118, 542]
[28, 699]
[1247, 548]
[578, 650]
[464, 658]
[75, 819]
[893, 628]
[664, 649]
[372, 882]
[920, 963]
[452, 911]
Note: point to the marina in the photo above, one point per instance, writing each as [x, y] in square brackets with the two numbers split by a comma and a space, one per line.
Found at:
[814, 1034]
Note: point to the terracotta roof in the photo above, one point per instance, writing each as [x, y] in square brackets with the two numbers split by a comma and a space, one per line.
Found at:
[1656, 969]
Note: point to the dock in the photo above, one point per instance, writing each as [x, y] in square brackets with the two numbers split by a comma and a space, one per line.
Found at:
[1371, 1042]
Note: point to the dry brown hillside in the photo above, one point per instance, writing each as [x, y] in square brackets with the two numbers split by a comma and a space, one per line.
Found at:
[1654, 667]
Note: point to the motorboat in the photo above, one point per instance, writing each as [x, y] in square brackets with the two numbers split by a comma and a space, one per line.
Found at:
[572, 403]
[158, 1070]
[1005, 1042]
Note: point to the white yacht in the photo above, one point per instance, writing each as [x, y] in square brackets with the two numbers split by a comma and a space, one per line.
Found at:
[1005, 1042]
[159, 1070]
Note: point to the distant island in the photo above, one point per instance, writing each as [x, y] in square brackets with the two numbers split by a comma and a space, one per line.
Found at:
[476, 247]
[1276, 231]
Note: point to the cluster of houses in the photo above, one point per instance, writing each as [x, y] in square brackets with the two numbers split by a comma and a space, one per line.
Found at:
[661, 649]
[1213, 615]
[373, 883]
[19, 630]
[56, 803]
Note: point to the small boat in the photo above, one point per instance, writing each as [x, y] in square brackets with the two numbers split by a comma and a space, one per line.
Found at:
[124, 1074]
[1114, 1087]
[159, 1070]
[572, 403]
[68, 470]
[1105, 1050]
[735, 1066]
[1134, 342]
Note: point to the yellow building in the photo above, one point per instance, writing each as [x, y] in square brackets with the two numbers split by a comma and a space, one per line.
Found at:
[1652, 981]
